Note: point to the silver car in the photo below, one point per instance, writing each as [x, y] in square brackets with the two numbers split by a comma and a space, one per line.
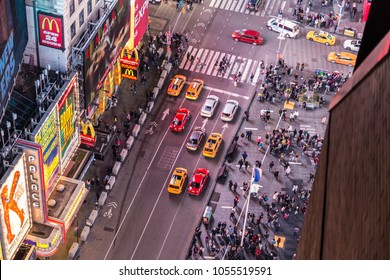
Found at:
[229, 110]
[352, 45]
[209, 106]
[195, 139]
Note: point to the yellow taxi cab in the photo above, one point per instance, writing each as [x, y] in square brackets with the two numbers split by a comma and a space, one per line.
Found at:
[321, 37]
[194, 89]
[211, 147]
[344, 58]
[178, 178]
[176, 85]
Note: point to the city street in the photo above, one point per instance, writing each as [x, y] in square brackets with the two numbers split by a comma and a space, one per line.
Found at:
[149, 223]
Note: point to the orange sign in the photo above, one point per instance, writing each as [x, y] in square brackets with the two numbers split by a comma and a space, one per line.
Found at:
[128, 73]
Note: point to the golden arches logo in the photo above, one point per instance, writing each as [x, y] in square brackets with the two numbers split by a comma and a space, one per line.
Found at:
[50, 23]
[87, 126]
[129, 73]
[128, 53]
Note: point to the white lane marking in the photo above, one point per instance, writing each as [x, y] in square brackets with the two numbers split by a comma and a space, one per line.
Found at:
[138, 188]
[226, 207]
[226, 92]
[237, 7]
[229, 3]
[217, 3]
[250, 128]
[282, 6]
[212, 3]
[243, 7]
[233, 5]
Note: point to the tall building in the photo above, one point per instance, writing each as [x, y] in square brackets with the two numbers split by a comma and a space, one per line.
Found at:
[348, 214]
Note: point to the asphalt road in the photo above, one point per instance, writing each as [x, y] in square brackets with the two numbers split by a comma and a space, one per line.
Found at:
[141, 220]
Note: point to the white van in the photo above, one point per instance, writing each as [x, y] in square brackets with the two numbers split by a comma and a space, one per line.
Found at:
[284, 26]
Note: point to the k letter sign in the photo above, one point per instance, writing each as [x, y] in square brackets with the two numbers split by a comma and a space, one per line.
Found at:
[50, 30]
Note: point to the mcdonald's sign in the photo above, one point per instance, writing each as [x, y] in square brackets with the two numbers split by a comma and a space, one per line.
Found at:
[131, 74]
[50, 30]
[87, 135]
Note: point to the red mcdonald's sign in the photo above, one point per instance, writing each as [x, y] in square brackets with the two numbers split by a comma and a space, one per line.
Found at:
[50, 30]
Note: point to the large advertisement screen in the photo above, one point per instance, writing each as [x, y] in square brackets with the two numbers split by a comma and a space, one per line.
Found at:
[67, 116]
[47, 138]
[105, 47]
[140, 20]
[50, 30]
[13, 40]
[14, 211]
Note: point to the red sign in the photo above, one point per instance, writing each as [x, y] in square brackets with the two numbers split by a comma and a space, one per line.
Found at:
[50, 30]
[140, 20]
[87, 140]
[129, 62]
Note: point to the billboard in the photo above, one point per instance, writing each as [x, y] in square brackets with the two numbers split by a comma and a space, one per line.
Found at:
[47, 138]
[34, 170]
[51, 32]
[141, 10]
[13, 40]
[67, 117]
[104, 47]
[130, 73]
[14, 210]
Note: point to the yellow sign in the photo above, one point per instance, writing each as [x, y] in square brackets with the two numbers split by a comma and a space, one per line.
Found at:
[50, 24]
[87, 126]
[279, 241]
[289, 105]
[129, 73]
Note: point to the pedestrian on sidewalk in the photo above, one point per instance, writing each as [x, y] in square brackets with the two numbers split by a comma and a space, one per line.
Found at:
[296, 231]
[230, 185]
[276, 175]
[235, 185]
[242, 137]
[232, 216]
[271, 165]
[258, 163]
[297, 66]
[302, 66]
[288, 170]
[251, 78]
[240, 163]
[249, 135]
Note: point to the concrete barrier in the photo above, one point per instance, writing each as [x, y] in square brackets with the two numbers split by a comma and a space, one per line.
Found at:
[92, 217]
[73, 250]
[150, 106]
[155, 93]
[123, 154]
[164, 74]
[116, 168]
[102, 198]
[84, 234]
[129, 142]
[136, 130]
[142, 118]
[168, 67]
[160, 51]
[160, 83]
[110, 183]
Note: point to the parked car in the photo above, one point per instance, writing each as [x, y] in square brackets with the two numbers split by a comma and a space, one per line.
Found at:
[179, 121]
[194, 89]
[352, 45]
[209, 106]
[229, 110]
[177, 181]
[344, 58]
[198, 181]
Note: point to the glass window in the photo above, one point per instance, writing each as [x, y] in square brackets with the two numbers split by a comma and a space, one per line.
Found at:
[81, 18]
[71, 7]
[73, 29]
[89, 6]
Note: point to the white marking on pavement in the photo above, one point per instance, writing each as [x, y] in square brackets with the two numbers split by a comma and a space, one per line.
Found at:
[250, 128]
[226, 92]
[226, 207]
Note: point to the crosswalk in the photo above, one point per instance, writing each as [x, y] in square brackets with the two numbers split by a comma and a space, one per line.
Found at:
[266, 9]
[311, 130]
[206, 62]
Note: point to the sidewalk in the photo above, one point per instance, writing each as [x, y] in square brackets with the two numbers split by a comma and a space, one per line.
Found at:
[222, 198]
[127, 102]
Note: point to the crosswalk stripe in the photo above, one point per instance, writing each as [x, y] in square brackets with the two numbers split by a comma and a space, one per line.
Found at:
[233, 6]
[197, 60]
[257, 74]
[237, 7]
[243, 7]
[202, 61]
[212, 3]
[252, 71]
[209, 57]
[215, 72]
[185, 59]
[217, 3]
[282, 6]
[232, 58]
[223, 4]
[229, 3]
[189, 62]
[212, 63]
[246, 70]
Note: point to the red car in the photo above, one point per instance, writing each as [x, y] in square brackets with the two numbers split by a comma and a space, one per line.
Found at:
[199, 179]
[179, 121]
[248, 36]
